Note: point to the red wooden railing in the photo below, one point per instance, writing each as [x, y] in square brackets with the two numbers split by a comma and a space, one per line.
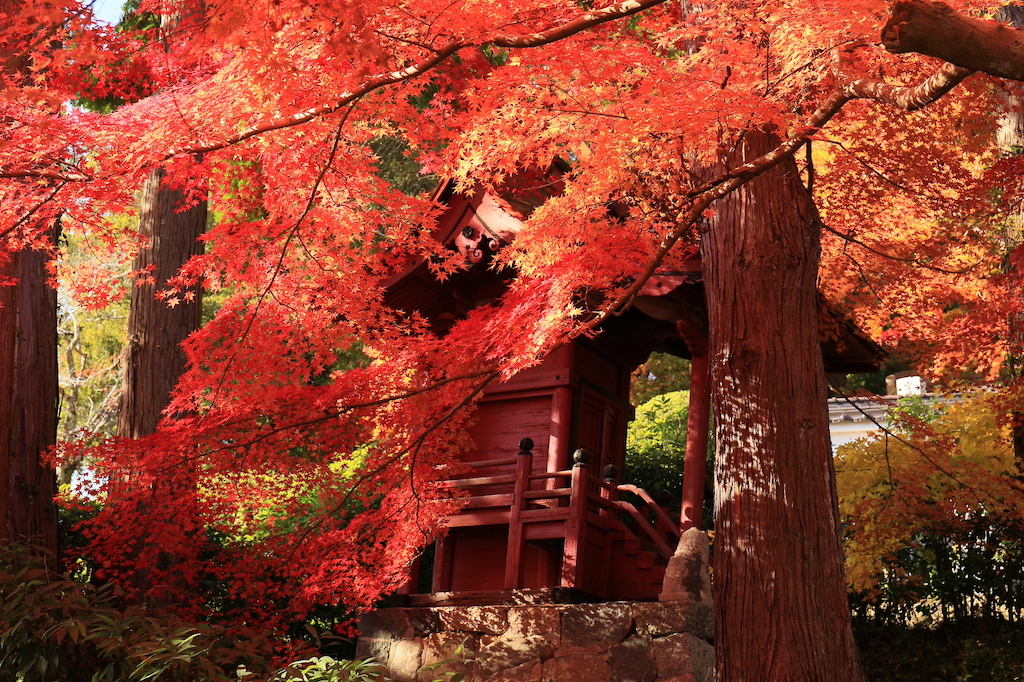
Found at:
[569, 504]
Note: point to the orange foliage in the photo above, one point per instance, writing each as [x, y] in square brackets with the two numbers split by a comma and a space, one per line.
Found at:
[270, 107]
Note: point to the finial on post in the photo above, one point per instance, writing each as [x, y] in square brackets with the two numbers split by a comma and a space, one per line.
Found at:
[525, 445]
[610, 473]
[580, 457]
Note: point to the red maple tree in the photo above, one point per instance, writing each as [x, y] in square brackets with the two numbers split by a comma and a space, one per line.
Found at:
[316, 484]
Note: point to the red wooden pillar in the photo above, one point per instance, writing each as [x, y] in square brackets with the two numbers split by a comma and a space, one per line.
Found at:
[514, 556]
[561, 425]
[575, 525]
[697, 427]
[442, 564]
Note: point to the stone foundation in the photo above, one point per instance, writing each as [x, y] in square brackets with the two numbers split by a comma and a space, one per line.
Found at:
[610, 642]
[665, 641]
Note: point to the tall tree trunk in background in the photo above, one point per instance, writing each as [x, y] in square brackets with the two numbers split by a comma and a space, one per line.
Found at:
[155, 359]
[28, 374]
[156, 330]
[780, 591]
[1011, 139]
[28, 398]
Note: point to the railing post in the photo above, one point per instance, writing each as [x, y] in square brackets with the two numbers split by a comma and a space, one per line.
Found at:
[610, 474]
[661, 523]
[514, 553]
[608, 511]
[575, 525]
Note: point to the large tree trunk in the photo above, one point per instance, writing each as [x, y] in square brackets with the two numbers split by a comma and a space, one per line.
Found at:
[28, 399]
[156, 359]
[1010, 137]
[28, 375]
[780, 591]
[156, 330]
[936, 30]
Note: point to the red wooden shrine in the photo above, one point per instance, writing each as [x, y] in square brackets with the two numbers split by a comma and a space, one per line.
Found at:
[545, 504]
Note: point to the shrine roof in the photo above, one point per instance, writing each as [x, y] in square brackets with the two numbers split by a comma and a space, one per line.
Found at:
[478, 223]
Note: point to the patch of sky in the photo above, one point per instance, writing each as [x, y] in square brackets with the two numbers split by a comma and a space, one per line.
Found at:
[108, 11]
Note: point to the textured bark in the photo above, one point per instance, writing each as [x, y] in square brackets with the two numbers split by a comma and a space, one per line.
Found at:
[28, 400]
[780, 591]
[909, 98]
[156, 359]
[28, 378]
[934, 29]
[156, 330]
[1010, 137]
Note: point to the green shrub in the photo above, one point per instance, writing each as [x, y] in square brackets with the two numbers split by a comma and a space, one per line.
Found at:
[327, 669]
[656, 443]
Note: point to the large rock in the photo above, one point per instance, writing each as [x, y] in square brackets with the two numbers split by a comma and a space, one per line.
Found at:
[448, 652]
[631, 661]
[683, 654]
[527, 672]
[534, 620]
[606, 642]
[374, 647]
[658, 619]
[508, 652]
[577, 668]
[596, 627]
[687, 577]
[405, 660]
[399, 623]
[488, 620]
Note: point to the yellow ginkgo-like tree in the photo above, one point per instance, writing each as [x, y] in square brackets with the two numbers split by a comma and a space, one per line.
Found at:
[933, 514]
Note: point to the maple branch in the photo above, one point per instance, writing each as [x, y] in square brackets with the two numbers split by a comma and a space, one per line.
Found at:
[934, 87]
[415, 444]
[284, 251]
[537, 39]
[346, 98]
[947, 77]
[406, 41]
[909, 98]
[589, 20]
[328, 415]
[583, 112]
[44, 174]
[874, 171]
[863, 275]
[899, 259]
[890, 433]
[31, 211]
[936, 30]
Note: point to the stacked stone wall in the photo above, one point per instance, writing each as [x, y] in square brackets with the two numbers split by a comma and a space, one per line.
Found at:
[667, 641]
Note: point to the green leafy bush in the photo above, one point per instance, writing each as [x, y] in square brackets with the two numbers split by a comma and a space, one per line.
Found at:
[656, 443]
[327, 669]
